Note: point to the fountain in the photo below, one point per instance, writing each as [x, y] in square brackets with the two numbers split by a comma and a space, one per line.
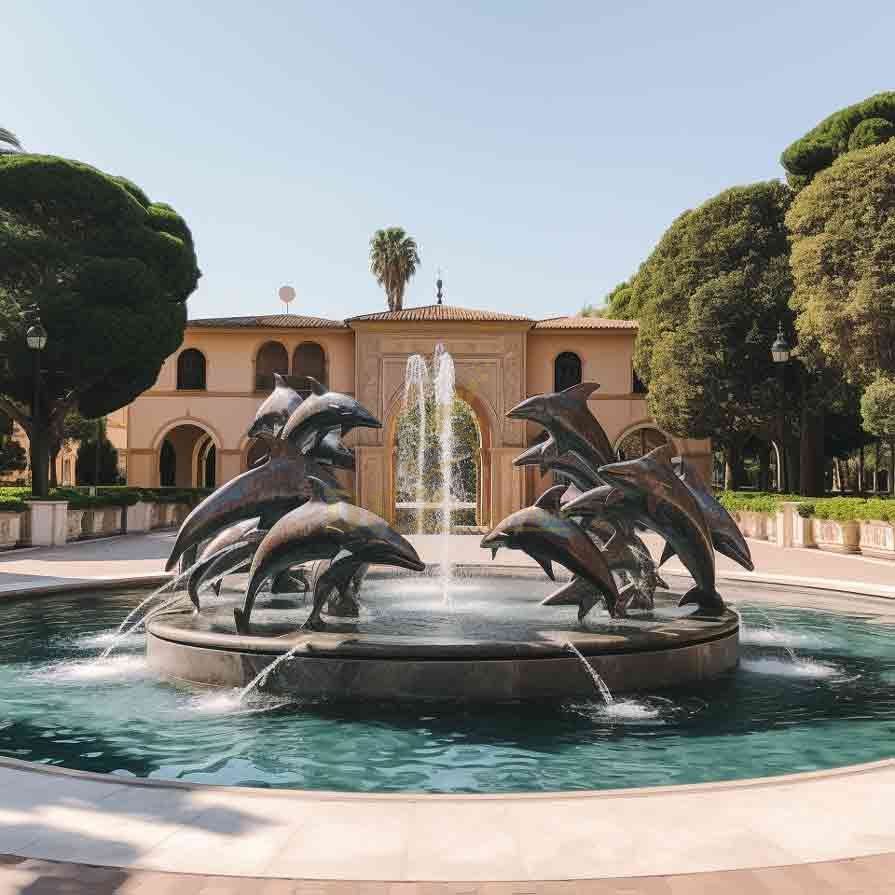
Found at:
[309, 551]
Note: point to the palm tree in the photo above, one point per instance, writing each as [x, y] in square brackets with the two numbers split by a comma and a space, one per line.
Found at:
[9, 143]
[393, 261]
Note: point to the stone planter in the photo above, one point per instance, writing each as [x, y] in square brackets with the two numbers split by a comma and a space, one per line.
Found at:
[837, 537]
[877, 539]
[803, 531]
[74, 522]
[49, 522]
[139, 517]
[10, 528]
[754, 525]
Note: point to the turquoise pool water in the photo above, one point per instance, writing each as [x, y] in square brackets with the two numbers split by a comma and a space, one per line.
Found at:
[59, 704]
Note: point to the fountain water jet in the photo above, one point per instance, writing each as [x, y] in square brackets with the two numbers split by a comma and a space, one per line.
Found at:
[444, 396]
[416, 386]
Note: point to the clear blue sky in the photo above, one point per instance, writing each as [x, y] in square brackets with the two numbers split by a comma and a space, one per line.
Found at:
[537, 151]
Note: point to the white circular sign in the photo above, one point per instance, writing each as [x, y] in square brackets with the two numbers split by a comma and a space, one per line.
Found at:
[287, 294]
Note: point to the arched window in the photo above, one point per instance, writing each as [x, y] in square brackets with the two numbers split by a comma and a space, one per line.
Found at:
[309, 360]
[639, 442]
[191, 370]
[206, 461]
[272, 358]
[167, 465]
[566, 371]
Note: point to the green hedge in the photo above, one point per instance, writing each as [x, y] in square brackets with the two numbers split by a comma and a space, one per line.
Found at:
[842, 509]
[12, 499]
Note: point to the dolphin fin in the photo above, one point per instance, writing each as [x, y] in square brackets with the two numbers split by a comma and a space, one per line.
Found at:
[240, 619]
[667, 553]
[278, 381]
[316, 387]
[571, 493]
[549, 500]
[582, 390]
[707, 601]
[494, 552]
[545, 563]
[318, 489]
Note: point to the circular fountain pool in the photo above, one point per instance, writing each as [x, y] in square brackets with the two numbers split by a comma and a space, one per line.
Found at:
[832, 704]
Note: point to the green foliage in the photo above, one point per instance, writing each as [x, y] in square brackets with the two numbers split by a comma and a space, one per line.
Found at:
[621, 302]
[707, 298]
[394, 259]
[841, 509]
[85, 463]
[843, 263]
[878, 406]
[753, 501]
[110, 272]
[12, 455]
[595, 311]
[866, 123]
[12, 499]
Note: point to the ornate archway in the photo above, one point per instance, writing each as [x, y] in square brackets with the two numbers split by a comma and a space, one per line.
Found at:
[187, 454]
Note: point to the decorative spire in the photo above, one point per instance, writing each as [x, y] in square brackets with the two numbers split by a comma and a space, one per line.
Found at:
[438, 284]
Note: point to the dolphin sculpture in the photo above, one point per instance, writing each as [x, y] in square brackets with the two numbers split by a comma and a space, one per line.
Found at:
[546, 536]
[565, 415]
[321, 412]
[546, 456]
[234, 558]
[667, 506]
[332, 451]
[581, 593]
[224, 539]
[275, 410]
[727, 538]
[278, 485]
[340, 577]
[321, 530]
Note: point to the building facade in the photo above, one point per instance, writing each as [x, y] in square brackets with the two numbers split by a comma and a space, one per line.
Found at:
[189, 428]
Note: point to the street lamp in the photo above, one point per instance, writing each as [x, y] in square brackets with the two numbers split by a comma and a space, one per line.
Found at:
[36, 339]
[780, 352]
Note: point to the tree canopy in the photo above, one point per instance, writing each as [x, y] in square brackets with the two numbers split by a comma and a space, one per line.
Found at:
[864, 124]
[878, 407]
[717, 283]
[110, 272]
[843, 262]
[394, 258]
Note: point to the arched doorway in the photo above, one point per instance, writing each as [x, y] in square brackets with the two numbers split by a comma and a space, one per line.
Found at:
[417, 498]
[187, 457]
[639, 441]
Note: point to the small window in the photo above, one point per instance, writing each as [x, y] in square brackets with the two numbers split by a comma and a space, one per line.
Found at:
[638, 386]
[272, 358]
[566, 371]
[308, 360]
[191, 370]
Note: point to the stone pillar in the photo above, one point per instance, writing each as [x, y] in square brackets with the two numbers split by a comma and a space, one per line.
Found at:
[786, 518]
[49, 522]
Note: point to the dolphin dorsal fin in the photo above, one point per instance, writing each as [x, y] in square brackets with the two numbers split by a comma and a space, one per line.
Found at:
[316, 387]
[278, 381]
[549, 500]
[582, 391]
[318, 489]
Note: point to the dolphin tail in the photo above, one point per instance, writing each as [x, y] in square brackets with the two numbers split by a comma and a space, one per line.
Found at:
[216, 587]
[667, 553]
[709, 601]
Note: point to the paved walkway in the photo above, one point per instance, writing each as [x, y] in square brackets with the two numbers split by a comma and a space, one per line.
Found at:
[134, 557]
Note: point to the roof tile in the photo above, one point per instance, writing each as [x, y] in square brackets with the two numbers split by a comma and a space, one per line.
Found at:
[271, 321]
[585, 323]
[439, 313]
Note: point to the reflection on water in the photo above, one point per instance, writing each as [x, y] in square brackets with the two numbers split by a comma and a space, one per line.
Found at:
[834, 705]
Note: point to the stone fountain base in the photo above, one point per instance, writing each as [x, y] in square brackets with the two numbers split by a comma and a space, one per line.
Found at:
[493, 643]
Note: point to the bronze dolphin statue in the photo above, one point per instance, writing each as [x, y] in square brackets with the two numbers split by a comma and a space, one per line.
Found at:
[667, 506]
[323, 411]
[727, 538]
[546, 536]
[234, 558]
[278, 485]
[341, 576]
[276, 409]
[566, 416]
[546, 456]
[321, 529]
[332, 451]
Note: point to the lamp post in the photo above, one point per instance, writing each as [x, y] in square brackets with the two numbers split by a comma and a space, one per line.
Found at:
[780, 352]
[36, 339]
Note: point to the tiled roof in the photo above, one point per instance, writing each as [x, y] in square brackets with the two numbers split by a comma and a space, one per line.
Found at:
[439, 313]
[272, 321]
[584, 323]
